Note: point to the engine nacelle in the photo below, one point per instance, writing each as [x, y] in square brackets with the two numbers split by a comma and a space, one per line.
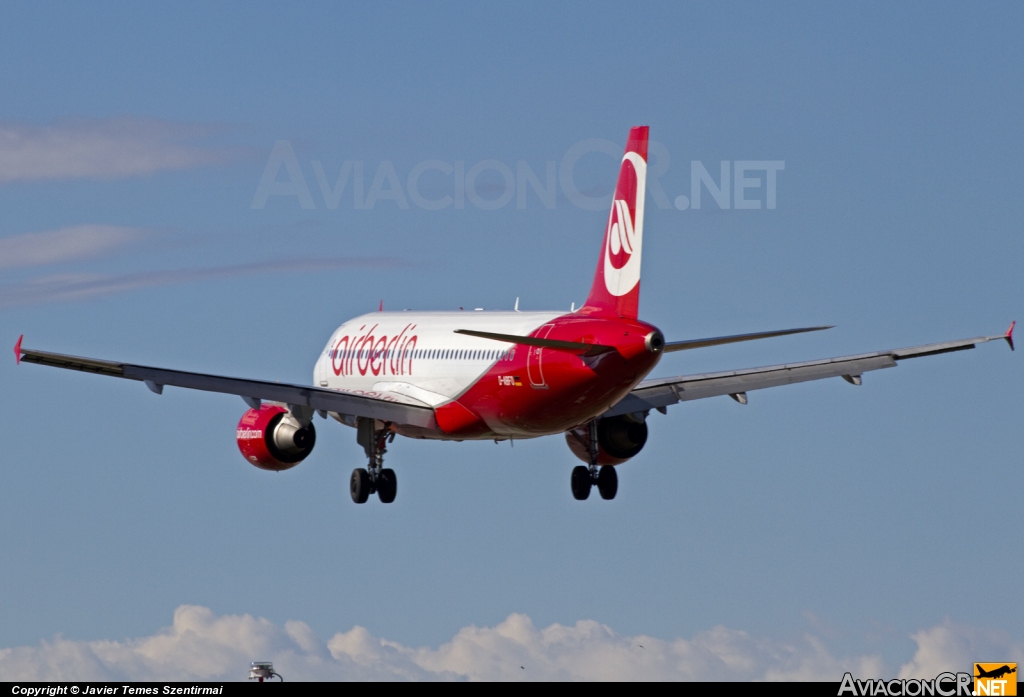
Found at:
[618, 439]
[270, 438]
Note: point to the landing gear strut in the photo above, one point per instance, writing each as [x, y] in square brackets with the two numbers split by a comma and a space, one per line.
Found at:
[374, 478]
[583, 478]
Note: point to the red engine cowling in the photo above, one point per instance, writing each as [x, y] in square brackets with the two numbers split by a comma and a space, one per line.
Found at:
[271, 439]
[618, 439]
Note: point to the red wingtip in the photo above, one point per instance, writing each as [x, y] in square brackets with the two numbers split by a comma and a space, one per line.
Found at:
[1009, 334]
[381, 308]
[17, 350]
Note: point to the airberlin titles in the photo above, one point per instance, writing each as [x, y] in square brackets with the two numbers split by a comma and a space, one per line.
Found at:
[368, 353]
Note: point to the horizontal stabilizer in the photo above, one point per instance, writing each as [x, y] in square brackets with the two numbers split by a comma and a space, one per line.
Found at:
[586, 349]
[735, 338]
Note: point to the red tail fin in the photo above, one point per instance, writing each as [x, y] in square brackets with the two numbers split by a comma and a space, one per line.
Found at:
[616, 288]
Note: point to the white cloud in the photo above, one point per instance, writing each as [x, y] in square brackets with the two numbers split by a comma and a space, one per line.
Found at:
[200, 645]
[956, 647]
[103, 149]
[65, 244]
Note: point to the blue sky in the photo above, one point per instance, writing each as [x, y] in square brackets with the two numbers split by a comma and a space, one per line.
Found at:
[133, 140]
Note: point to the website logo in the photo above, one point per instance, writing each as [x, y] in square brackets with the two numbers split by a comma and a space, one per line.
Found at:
[995, 679]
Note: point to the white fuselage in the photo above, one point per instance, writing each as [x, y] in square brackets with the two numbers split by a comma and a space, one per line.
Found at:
[417, 356]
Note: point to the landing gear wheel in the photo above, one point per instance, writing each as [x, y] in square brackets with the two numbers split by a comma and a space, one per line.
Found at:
[608, 482]
[581, 482]
[360, 485]
[387, 486]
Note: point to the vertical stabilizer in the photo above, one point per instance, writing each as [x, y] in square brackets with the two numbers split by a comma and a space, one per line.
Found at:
[616, 288]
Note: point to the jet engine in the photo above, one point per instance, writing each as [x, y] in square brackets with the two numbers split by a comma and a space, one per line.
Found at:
[618, 439]
[272, 439]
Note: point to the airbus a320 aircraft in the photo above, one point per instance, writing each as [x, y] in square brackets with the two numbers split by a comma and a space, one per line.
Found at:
[501, 375]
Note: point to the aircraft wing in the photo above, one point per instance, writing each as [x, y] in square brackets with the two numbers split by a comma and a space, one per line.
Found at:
[385, 407]
[662, 392]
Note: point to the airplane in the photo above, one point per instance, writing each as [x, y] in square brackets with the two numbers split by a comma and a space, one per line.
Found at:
[995, 673]
[501, 375]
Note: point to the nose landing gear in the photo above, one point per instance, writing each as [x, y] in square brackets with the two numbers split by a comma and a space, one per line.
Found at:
[374, 478]
[583, 478]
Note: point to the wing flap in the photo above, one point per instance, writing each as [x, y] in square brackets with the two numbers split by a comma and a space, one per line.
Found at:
[383, 406]
[662, 392]
[58, 360]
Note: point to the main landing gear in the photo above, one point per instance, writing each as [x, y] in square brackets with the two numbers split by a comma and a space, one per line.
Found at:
[374, 478]
[583, 478]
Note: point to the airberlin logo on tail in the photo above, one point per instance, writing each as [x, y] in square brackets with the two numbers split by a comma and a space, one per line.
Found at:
[624, 237]
[367, 352]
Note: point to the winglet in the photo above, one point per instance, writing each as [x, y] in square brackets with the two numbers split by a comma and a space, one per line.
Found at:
[1008, 337]
[17, 350]
[381, 308]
